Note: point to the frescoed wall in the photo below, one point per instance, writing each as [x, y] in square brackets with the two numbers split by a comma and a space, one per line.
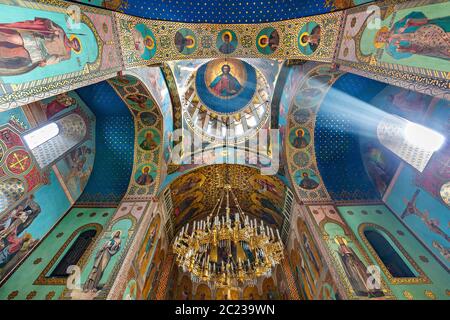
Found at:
[428, 278]
[347, 256]
[34, 278]
[405, 45]
[34, 198]
[421, 200]
[46, 51]
[154, 79]
[195, 193]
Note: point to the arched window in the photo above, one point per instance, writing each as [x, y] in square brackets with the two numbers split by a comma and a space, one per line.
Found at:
[50, 142]
[388, 254]
[74, 254]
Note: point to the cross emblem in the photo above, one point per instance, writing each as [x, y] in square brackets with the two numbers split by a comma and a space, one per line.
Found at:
[19, 162]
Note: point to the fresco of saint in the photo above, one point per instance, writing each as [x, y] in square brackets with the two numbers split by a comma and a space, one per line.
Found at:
[102, 258]
[29, 44]
[355, 269]
[145, 178]
[227, 45]
[148, 143]
[416, 34]
[300, 141]
[307, 182]
[225, 84]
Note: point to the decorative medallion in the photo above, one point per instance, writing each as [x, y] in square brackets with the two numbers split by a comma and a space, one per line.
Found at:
[18, 161]
[185, 41]
[309, 38]
[267, 40]
[144, 41]
[226, 41]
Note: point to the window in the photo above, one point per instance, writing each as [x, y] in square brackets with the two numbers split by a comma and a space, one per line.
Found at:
[51, 142]
[388, 254]
[41, 135]
[74, 254]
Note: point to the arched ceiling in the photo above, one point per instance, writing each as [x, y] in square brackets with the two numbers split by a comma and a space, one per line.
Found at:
[195, 194]
[114, 145]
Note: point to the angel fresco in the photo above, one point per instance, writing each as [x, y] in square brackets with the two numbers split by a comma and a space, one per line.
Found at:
[26, 45]
[416, 34]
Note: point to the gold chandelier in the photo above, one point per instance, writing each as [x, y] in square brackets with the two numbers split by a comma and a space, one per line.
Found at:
[228, 250]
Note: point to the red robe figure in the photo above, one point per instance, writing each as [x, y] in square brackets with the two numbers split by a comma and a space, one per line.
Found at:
[225, 85]
[29, 44]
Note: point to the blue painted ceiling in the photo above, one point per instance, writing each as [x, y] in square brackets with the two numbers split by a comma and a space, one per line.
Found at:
[114, 145]
[226, 11]
[337, 142]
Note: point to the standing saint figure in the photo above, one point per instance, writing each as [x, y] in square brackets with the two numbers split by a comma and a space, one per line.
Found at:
[225, 85]
[29, 44]
[102, 258]
[355, 269]
[416, 34]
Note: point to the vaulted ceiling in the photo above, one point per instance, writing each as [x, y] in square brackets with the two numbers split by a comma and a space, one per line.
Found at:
[227, 11]
[195, 194]
[114, 145]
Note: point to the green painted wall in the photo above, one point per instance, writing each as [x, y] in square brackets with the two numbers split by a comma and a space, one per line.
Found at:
[439, 278]
[22, 280]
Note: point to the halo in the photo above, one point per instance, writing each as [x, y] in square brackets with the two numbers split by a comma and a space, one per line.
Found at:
[193, 42]
[300, 130]
[149, 47]
[263, 45]
[377, 43]
[303, 44]
[144, 168]
[228, 33]
[71, 38]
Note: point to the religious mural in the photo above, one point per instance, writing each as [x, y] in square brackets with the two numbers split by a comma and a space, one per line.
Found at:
[409, 36]
[28, 211]
[43, 45]
[143, 41]
[147, 251]
[148, 132]
[416, 197]
[312, 84]
[195, 193]
[268, 40]
[35, 272]
[415, 273]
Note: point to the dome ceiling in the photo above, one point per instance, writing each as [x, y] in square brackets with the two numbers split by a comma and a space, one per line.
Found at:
[226, 98]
